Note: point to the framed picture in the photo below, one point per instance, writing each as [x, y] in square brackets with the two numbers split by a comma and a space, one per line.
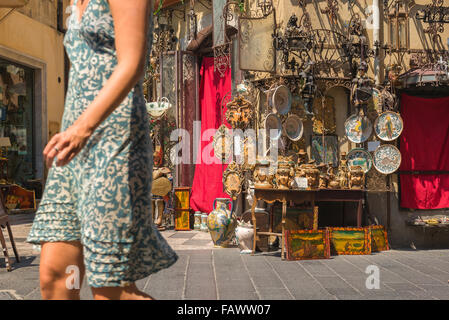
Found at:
[350, 241]
[296, 219]
[379, 238]
[307, 244]
[325, 150]
[182, 209]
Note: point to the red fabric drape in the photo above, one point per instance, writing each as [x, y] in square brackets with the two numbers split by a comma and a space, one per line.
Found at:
[425, 146]
[207, 181]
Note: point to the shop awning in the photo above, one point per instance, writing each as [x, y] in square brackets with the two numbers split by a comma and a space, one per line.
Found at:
[422, 77]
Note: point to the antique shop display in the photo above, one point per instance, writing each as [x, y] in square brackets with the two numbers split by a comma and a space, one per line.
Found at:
[379, 238]
[285, 173]
[273, 126]
[295, 219]
[293, 127]
[223, 143]
[244, 234]
[239, 112]
[356, 177]
[233, 180]
[324, 149]
[360, 157]
[358, 128]
[262, 177]
[307, 244]
[387, 159]
[351, 241]
[222, 222]
[388, 126]
[182, 208]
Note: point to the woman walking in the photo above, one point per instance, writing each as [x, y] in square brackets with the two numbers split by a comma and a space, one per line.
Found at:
[94, 218]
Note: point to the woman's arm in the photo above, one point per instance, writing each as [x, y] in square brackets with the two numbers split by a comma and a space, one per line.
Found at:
[131, 18]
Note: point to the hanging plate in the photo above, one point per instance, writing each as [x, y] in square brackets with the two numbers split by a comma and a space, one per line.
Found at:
[293, 128]
[223, 143]
[157, 109]
[272, 122]
[388, 126]
[387, 159]
[358, 128]
[360, 157]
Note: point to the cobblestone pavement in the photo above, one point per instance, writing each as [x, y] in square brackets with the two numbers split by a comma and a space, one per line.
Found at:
[207, 273]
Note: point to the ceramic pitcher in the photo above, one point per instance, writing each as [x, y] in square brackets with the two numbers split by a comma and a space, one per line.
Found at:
[221, 222]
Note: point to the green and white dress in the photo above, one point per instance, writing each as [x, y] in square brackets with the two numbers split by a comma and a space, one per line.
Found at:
[103, 196]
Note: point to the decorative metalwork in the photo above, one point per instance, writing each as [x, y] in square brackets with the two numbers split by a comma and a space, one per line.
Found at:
[222, 59]
[331, 10]
[266, 6]
[436, 15]
[193, 22]
[239, 112]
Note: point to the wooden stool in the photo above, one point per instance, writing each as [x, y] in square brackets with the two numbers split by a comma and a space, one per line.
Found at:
[4, 222]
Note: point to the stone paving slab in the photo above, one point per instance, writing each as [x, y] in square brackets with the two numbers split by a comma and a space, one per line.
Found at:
[207, 273]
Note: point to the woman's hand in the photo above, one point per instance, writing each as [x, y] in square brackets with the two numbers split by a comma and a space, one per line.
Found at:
[66, 145]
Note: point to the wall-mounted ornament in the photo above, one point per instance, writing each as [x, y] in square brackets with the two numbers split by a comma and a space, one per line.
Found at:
[233, 180]
[239, 113]
[387, 159]
[360, 157]
[280, 99]
[223, 143]
[388, 126]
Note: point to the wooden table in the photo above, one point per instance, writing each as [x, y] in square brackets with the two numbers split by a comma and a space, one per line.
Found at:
[301, 196]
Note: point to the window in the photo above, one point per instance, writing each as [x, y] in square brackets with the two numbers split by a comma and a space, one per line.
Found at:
[16, 119]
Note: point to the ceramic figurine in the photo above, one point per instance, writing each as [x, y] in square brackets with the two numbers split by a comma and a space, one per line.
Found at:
[323, 179]
[342, 175]
[221, 223]
[262, 176]
[333, 182]
[312, 175]
[244, 234]
[356, 177]
[285, 173]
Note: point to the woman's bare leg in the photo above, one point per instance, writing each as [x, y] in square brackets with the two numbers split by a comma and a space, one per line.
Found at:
[61, 270]
[120, 293]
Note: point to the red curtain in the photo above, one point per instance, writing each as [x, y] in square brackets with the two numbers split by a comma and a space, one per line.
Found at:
[425, 147]
[207, 181]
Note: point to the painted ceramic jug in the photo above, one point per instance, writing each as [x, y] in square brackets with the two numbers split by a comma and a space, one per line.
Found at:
[244, 234]
[221, 222]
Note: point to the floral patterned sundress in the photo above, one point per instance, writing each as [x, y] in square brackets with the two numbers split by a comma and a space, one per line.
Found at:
[103, 196]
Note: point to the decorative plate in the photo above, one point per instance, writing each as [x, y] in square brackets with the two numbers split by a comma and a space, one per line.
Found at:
[281, 100]
[388, 126]
[272, 122]
[157, 109]
[293, 128]
[223, 143]
[387, 159]
[360, 157]
[358, 128]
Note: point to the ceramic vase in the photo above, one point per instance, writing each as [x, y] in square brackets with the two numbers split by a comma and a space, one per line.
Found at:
[197, 221]
[244, 234]
[221, 223]
[203, 226]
